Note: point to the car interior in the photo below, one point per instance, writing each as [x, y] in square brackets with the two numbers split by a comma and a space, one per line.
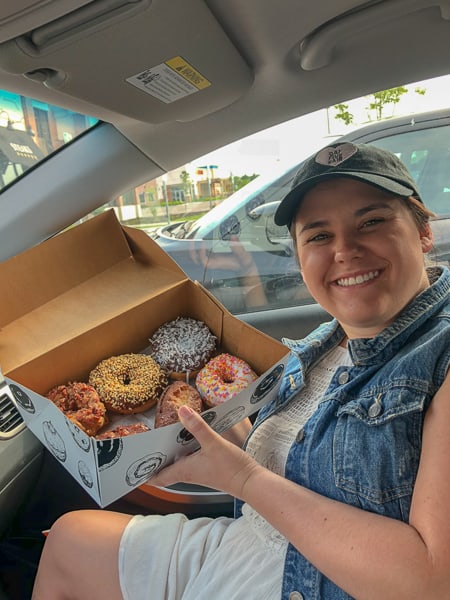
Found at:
[164, 82]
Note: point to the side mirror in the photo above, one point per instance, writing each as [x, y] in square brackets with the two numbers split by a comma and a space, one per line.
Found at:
[277, 235]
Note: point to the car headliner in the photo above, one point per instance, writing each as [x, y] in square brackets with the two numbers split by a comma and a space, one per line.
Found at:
[269, 60]
[263, 62]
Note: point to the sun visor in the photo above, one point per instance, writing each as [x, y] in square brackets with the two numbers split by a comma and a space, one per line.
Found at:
[142, 55]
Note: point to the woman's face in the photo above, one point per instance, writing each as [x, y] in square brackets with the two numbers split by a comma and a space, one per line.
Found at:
[360, 253]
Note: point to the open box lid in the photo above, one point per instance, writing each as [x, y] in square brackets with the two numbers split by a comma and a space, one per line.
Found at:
[75, 281]
[97, 290]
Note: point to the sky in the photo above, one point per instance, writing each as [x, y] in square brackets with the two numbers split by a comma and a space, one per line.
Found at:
[278, 147]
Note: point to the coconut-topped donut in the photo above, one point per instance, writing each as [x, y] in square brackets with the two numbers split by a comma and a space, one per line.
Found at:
[182, 345]
[128, 383]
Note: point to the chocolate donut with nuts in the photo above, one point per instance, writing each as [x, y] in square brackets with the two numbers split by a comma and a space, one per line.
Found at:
[128, 383]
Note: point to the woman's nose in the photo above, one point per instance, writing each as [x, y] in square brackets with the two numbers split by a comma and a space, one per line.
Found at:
[346, 248]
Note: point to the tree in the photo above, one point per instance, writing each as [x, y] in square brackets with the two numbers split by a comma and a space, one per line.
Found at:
[240, 180]
[377, 102]
[343, 113]
[187, 183]
[380, 99]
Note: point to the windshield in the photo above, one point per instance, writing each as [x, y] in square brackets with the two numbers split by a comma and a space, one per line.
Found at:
[31, 130]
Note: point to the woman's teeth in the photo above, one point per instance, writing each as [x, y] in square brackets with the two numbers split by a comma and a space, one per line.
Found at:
[348, 281]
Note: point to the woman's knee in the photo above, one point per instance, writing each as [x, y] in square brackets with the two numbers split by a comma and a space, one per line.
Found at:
[79, 531]
[66, 538]
[76, 541]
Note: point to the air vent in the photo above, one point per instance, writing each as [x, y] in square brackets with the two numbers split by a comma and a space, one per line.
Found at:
[10, 420]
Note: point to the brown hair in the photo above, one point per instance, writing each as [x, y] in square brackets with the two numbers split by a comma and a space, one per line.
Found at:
[421, 214]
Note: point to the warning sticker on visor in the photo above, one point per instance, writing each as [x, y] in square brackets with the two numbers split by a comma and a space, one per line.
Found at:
[170, 81]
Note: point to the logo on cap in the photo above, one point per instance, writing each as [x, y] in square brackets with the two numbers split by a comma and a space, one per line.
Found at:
[333, 156]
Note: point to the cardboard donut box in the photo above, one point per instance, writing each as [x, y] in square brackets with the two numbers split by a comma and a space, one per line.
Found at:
[99, 290]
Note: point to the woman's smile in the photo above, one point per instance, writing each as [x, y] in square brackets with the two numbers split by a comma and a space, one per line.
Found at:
[352, 280]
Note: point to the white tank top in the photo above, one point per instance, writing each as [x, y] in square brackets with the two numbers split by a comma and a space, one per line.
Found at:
[271, 442]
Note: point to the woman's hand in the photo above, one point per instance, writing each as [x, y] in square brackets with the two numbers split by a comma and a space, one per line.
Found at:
[238, 259]
[218, 463]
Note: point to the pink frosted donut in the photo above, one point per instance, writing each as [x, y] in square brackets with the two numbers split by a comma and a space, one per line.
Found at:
[223, 377]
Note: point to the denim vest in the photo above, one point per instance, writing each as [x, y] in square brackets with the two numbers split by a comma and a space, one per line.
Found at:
[362, 445]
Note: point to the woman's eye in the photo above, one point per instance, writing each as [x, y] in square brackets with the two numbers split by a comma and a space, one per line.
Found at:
[319, 237]
[373, 221]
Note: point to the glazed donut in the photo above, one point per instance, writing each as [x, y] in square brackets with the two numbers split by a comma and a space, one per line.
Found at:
[81, 405]
[128, 383]
[175, 395]
[223, 377]
[182, 345]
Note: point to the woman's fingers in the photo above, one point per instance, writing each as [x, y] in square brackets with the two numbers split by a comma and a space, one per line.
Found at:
[183, 469]
[218, 463]
[194, 423]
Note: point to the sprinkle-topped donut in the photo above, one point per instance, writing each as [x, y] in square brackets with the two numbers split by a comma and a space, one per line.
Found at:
[128, 383]
[182, 345]
[223, 377]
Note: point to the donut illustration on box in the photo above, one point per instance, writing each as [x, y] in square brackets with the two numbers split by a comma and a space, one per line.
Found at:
[85, 474]
[108, 452]
[22, 398]
[232, 417]
[267, 384]
[82, 440]
[54, 441]
[142, 469]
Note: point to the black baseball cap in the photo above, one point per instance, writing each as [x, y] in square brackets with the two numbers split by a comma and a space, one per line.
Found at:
[369, 164]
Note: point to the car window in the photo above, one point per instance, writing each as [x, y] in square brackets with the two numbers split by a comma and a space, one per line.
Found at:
[31, 130]
[426, 153]
[216, 247]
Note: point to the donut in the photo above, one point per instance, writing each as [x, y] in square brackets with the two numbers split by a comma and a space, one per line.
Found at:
[175, 395]
[122, 431]
[81, 404]
[182, 345]
[223, 377]
[128, 383]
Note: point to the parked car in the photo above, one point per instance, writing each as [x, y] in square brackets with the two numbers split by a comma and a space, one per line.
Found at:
[201, 247]
[88, 83]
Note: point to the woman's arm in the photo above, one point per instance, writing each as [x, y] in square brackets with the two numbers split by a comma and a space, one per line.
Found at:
[368, 555]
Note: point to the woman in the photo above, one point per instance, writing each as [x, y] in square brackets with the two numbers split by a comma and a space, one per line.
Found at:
[345, 480]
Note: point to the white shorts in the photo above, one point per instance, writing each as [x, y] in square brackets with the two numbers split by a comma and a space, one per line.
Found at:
[172, 558]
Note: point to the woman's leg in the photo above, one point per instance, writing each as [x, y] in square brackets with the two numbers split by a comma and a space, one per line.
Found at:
[80, 557]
